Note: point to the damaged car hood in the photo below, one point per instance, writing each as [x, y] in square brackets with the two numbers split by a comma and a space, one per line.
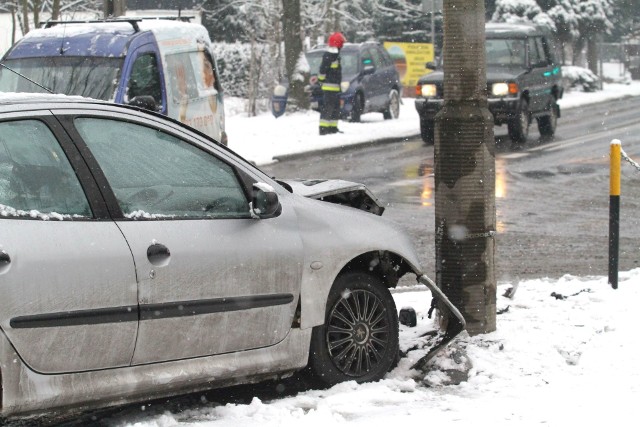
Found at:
[337, 191]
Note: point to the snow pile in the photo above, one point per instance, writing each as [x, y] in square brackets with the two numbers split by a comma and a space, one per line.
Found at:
[564, 354]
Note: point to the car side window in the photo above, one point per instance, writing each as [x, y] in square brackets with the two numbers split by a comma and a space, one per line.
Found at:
[534, 55]
[145, 78]
[156, 175]
[36, 178]
[545, 58]
[377, 58]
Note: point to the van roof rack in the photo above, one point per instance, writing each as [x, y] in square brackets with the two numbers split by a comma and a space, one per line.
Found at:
[132, 20]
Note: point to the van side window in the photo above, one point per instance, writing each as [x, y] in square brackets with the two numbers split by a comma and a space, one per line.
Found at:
[145, 78]
[182, 77]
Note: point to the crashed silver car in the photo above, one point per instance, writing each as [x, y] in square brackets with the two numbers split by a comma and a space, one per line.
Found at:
[140, 259]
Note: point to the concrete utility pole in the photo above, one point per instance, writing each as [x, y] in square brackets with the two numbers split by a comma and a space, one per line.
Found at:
[465, 171]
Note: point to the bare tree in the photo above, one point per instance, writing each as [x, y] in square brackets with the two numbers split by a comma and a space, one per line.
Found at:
[291, 26]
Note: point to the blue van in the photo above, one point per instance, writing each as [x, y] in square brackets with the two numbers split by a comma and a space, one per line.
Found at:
[161, 64]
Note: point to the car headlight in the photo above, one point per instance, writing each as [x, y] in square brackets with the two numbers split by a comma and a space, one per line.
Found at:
[429, 90]
[344, 86]
[504, 89]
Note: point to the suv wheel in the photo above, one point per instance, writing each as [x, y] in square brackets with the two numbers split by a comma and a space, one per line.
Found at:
[547, 124]
[427, 131]
[359, 339]
[358, 108]
[519, 126]
[393, 109]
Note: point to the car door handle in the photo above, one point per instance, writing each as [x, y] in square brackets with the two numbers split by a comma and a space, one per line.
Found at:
[158, 254]
[5, 259]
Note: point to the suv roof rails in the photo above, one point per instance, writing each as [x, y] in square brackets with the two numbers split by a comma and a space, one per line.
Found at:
[133, 21]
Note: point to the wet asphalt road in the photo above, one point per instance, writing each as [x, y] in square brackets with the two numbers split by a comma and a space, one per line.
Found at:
[552, 196]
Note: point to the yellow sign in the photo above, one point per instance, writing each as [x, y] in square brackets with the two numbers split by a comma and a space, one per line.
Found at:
[410, 60]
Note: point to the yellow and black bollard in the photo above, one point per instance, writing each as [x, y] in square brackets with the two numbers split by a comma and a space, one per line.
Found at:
[614, 211]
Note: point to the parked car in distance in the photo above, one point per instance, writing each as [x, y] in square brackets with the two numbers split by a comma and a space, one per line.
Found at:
[523, 83]
[141, 259]
[162, 64]
[370, 81]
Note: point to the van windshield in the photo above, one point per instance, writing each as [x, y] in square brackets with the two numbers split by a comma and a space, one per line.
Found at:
[91, 77]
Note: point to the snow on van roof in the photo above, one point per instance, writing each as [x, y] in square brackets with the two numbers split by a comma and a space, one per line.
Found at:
[76, 29]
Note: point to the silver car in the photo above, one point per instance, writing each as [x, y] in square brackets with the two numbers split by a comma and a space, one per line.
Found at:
[140, 259]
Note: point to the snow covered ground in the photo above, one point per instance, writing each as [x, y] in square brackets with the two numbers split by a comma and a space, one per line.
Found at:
[564, 353]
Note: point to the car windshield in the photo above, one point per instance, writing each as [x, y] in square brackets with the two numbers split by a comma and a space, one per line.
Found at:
[505, 52]
[348, 60]
[92, 77]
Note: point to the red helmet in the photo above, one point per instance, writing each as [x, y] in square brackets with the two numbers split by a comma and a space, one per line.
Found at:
[337, 40]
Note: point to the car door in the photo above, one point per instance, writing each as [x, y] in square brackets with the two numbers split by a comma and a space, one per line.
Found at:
[536, 80]
[210, 278]
[380, 80]
[68, 296]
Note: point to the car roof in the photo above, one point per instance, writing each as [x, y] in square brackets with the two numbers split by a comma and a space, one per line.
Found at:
[504, 30]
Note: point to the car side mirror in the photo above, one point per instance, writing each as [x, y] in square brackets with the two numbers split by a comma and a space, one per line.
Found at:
[264, 203]
[430, 65]
[144, 101]
[368, 69]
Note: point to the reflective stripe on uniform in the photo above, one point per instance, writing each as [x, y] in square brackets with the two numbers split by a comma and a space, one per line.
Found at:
[331, 87]
[321, 76]
[335, 64]
[328, 123]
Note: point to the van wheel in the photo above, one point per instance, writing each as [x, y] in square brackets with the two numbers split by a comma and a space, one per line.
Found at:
[393, 109]
[547, 124]
[519, 126]
[359, 339]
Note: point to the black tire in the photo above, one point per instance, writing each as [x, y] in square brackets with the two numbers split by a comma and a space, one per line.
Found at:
[519, 126]
[346, 347]
[427, 131]
[393, 109]
[547, 124]
[358, 108]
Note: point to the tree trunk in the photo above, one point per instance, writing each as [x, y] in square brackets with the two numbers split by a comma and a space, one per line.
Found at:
[292, 53]
[465, 172]
[253, 79]
[113, 8]
[13, 25]
[25, 16]
[36, 12]
[55, 10]
[592, 54]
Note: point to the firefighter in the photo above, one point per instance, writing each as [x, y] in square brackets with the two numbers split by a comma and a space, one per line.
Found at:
[330, 77]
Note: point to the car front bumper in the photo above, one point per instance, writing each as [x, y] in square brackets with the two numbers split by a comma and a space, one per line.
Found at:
[503, 109]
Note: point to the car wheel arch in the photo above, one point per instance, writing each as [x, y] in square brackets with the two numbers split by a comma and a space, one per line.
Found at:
[386, 265]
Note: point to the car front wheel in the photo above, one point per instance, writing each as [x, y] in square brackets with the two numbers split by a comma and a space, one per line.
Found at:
[519, 126]
[427, 131]
[547, 124]
[359, 339]
[393, 109]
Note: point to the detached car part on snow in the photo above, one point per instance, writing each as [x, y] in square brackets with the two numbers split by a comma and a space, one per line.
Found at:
[141, 259]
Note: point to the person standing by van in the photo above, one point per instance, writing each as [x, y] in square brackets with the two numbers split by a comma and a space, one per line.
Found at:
[330, 77]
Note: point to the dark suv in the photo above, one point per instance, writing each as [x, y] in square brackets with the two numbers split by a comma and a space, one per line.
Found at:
[523, 82]
[370, 81]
